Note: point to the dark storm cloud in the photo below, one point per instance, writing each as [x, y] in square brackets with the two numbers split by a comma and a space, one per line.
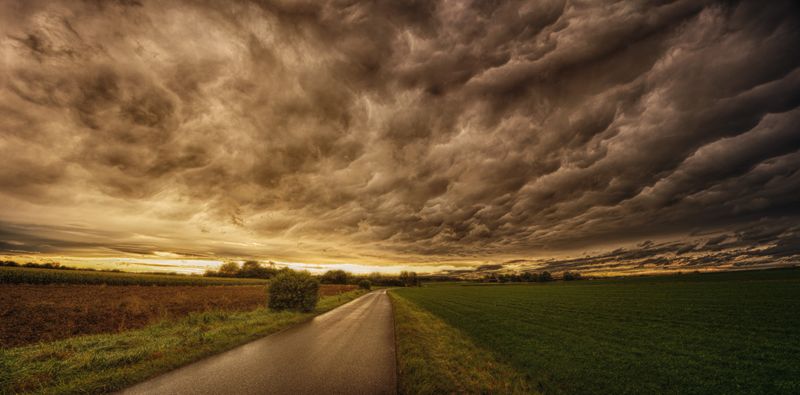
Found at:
[763, 244]
[410, 131]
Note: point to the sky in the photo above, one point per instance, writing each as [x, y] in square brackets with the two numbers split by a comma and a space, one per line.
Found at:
[601, 136]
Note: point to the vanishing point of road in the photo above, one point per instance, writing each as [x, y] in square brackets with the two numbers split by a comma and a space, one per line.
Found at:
[348, 350]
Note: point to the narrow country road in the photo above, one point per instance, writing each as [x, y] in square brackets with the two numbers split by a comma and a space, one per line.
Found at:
[349, 350]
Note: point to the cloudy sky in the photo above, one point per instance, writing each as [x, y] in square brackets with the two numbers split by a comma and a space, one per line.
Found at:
[564, 134]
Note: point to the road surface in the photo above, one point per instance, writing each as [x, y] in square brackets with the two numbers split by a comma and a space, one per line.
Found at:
[348, 350]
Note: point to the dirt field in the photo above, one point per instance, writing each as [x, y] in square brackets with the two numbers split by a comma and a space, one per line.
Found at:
[32, 313]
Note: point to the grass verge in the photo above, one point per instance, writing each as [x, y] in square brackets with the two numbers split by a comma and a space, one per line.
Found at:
[435, 358]
[103, 363]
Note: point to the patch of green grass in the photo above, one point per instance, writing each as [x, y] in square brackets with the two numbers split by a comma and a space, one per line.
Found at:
[103, 363]
[705, 333]
[434, 358]
[25, 275]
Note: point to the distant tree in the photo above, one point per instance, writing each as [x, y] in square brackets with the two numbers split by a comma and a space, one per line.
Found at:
[439, 278]
[385, 280]
[571, 276]
[291, 290]
[254, 269]
[527, 277]
[545, 276]
[409, 279]
[335, 277]
[364, 284]
[228, 269]
[375, 278]
[46, 265]
[249, 269]
[404, 278]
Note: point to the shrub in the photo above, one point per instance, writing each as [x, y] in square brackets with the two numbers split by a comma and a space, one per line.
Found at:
[293, 290]
[365, 284]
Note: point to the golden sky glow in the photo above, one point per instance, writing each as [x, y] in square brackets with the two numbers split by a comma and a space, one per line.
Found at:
[437, 135]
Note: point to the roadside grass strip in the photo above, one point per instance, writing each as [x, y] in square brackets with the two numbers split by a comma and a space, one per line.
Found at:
[435, 358]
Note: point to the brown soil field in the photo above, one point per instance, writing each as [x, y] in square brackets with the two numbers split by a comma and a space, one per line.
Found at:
[34, 313]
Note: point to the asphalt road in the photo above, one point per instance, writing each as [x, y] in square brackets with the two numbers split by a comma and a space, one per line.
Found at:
[348, 350]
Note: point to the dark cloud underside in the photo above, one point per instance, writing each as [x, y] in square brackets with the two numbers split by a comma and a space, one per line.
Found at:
[391, 131]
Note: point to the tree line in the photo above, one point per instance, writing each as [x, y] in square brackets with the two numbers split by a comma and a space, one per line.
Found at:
[56, 265]
[529, 277]
[248, 269]
[255, 269]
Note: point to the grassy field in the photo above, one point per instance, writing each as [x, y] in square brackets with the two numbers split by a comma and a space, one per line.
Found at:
[33, 313]
[104, 363]
[699, 333]
[438, 359]
[24, 275]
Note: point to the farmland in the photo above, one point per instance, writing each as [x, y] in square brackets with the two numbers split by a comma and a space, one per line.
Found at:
[67, 331]
[107, 362]
[699, 333]
[32, 313]
[24, 275]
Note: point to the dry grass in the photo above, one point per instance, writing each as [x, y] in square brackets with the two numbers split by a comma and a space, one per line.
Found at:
[34, 313]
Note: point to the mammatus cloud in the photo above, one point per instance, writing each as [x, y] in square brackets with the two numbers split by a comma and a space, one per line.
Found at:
[400, 132]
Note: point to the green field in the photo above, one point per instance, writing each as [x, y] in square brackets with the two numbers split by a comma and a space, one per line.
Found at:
[699, 333]
[24, 275]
